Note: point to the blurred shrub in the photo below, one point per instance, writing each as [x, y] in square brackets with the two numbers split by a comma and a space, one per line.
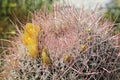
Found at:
[113, 14]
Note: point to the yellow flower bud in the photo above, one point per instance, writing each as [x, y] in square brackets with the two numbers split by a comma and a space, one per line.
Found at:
[83, 47]
[89, 30]
[45, 58]
[67, 58]
[13, 32]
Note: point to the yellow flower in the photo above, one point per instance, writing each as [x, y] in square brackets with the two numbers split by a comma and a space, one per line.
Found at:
[30, 39]
[67, 58]
[32, 50]
[83, 47]
[32, 30]
[45, 58]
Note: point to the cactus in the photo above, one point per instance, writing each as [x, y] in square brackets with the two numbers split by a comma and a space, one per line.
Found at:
[72, 45]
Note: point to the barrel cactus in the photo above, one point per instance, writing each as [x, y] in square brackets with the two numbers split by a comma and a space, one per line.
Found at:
[67, 44]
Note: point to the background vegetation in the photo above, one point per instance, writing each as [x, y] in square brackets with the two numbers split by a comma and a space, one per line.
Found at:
[9, 9]
[113, 14]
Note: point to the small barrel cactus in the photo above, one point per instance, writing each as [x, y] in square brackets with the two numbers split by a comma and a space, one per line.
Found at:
[67, 44]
